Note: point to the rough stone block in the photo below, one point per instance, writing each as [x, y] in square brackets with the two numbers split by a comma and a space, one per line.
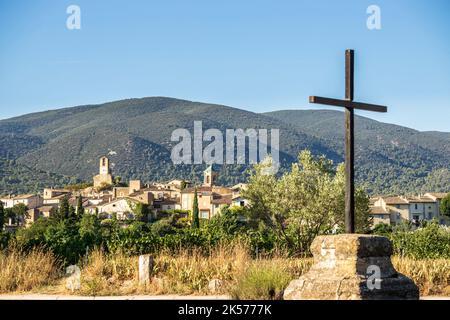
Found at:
[344, 267]
[145, 268]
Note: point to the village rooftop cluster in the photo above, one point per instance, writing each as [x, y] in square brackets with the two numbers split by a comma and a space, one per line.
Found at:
[107, 200]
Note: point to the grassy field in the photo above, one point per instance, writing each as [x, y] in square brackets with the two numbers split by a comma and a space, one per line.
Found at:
[188, 272]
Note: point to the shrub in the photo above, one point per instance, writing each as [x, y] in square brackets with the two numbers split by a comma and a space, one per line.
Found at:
[4, 239]
[264, 281]
[429, 242]
[382, 229]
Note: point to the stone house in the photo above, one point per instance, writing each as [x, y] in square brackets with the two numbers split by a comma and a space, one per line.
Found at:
[36, 213]
[211, 198]
[122, 207]
[30, 200]
[394, 210]
[54, 196]
[437, 197]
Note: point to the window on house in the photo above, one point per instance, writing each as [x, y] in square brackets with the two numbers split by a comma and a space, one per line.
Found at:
[241, 203]
[204, 214]
[415, 206]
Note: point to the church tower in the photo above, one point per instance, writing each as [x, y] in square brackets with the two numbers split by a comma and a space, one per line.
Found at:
[104, 165]
[104, 177]
[209, 177]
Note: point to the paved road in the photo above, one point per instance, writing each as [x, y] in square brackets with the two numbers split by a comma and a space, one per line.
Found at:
[137, 297]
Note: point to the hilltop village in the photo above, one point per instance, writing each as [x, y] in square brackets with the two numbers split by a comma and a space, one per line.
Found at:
[108, 199]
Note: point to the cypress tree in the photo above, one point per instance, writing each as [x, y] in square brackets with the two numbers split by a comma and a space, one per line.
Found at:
[64, 209]
[72, 213]
[2, 216]
[80, 209]
[195, 218]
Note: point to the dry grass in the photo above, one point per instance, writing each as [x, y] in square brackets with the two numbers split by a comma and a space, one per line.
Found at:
[109, 274]
[20, 271]
[189, 272]
[431, 275]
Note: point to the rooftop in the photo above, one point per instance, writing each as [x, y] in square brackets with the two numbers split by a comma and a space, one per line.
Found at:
[395, 200]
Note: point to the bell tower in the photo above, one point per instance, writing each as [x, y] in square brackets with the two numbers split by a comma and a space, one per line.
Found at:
[104, 165]
[104, 177]
[209, 177]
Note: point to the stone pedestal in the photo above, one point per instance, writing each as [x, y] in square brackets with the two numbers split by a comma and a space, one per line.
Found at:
[352, 267]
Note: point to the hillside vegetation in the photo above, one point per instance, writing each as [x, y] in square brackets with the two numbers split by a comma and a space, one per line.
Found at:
[135, 134]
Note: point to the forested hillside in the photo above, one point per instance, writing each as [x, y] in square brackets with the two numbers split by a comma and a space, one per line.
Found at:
[135, 134]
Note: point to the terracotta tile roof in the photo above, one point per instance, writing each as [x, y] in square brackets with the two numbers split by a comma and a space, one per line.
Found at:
[420, 200]
[378, 210]
[225, 199]
[46, 208]
[438, 195]
[168, 201]
[23, 196]
[395, 200]
[199, 189]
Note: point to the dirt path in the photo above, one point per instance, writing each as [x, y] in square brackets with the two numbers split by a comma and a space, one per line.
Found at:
[131, 297]
[136, 297]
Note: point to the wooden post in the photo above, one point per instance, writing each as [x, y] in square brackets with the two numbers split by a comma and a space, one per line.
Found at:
[349, 172]
[349, 146]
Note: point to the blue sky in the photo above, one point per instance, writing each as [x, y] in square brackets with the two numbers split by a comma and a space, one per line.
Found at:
[256, 55]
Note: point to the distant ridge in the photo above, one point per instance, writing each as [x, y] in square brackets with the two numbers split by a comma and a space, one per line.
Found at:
[136, 134]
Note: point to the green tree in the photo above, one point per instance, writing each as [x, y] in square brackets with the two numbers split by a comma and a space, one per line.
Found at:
[63, 239]
[445, 205]
[227, 223]
[117, 181]
[72, 213]
[305, 202]
[80, 209]
[18, 213]
[34, 235]
[90, 230]
[64, 209]
[141, 212]
[195, 217]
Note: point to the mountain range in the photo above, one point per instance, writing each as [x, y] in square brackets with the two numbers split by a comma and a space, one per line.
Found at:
[58, 147]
